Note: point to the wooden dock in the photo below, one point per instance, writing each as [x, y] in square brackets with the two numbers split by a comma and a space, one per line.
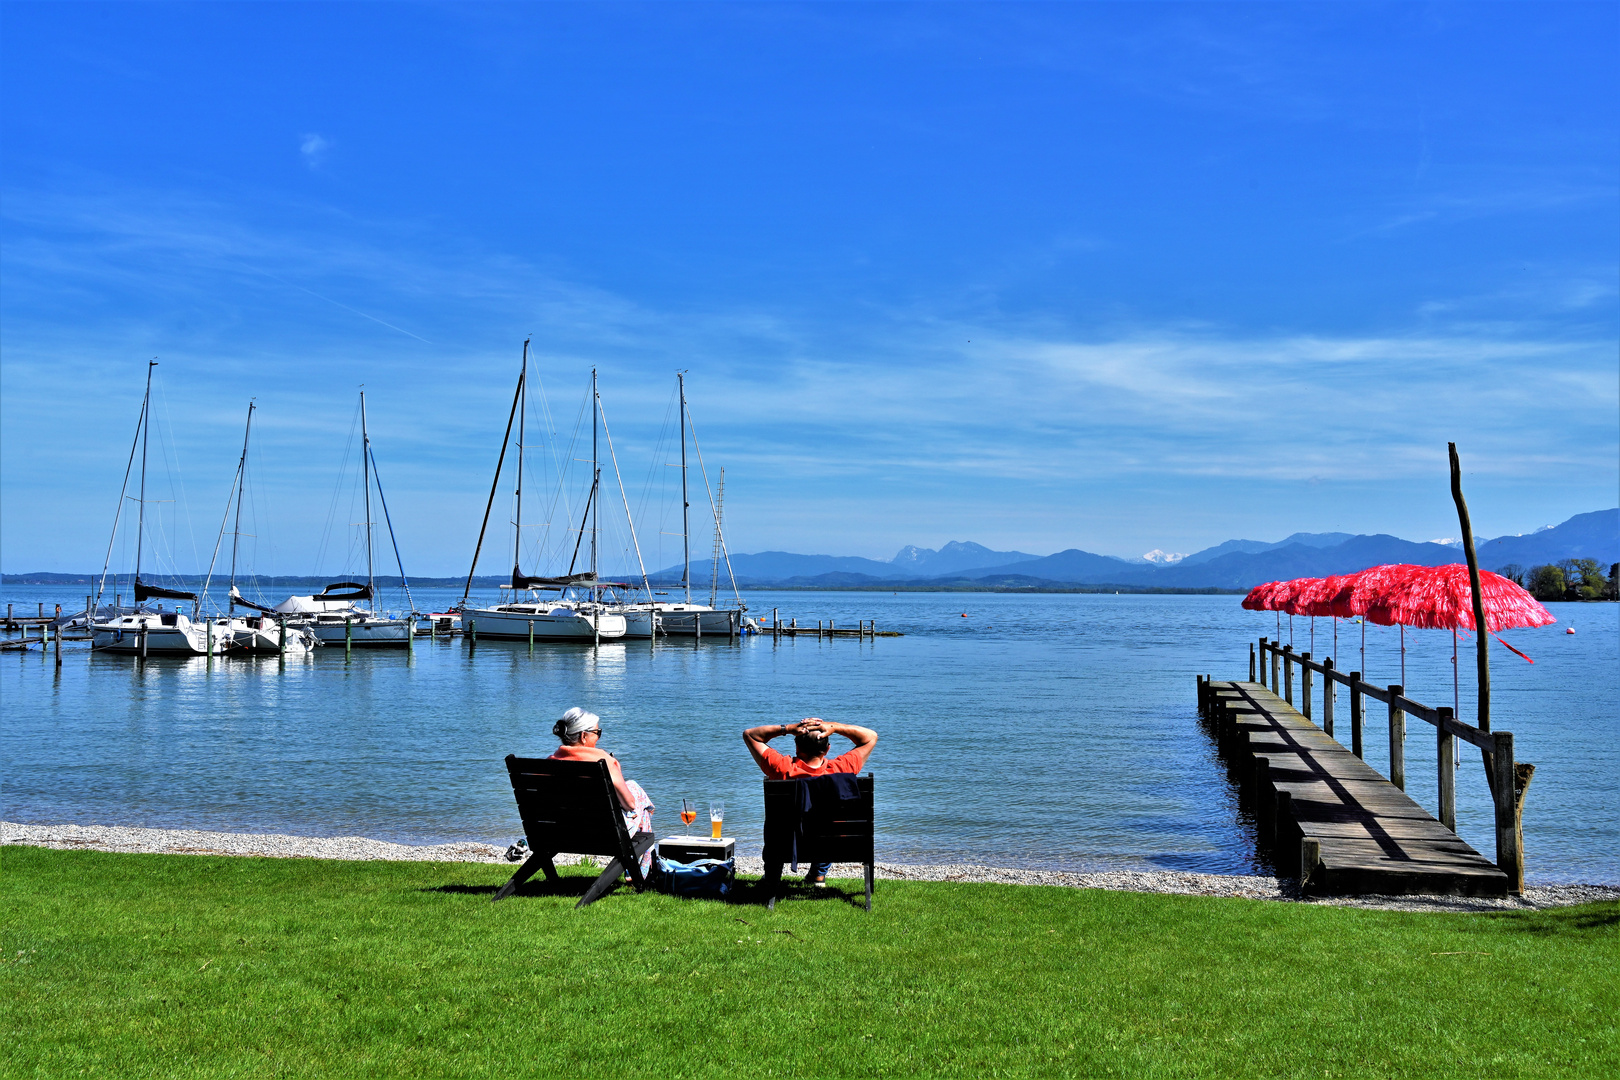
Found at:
[1329, 818]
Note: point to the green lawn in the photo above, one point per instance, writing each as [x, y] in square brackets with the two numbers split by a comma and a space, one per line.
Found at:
[180, 965]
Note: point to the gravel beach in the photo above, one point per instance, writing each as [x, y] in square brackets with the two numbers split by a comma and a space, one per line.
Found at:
[195, 842]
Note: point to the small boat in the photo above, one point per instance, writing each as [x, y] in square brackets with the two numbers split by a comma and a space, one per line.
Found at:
[580, 612]
[334, 617]
[147, 631]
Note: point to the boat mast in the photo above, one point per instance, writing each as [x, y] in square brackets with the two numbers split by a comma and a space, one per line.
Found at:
[241, 484]
[146, 429]
[494, 485]
[686, 505]
[365, 474]
[596, 483]
[523, 411]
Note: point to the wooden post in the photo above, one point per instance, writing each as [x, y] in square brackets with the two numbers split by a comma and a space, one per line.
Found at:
[143, 640]
[348, 636]
[1446, 762]
[829, 628]
[472, 631]
[208, 638]
[1509, 850]
[776, 625]
[281, 646]
[1356, 717]
[1330, 690]
[1276, 670]
[1397, 739]
[1288, 673]
[59, 647]
[42, 609]
[89, 615]
[9, 619]
[531, 635]
[731, 625]
[1305, 686]
[1251, 660]
[697, 624]
[1310, 856]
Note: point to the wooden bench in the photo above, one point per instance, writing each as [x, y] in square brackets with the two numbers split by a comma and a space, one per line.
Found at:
[572, 806]
[847, 837]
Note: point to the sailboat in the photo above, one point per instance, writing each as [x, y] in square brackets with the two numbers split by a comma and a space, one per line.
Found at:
[687, 618]
[579, 612]
[334, 615]
[261, 634]
[146, 631]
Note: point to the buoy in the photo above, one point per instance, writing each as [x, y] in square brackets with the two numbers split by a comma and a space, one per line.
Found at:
[964, 615]
[1569, 629]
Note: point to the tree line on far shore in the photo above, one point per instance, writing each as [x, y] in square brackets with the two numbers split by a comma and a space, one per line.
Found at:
[1571, 579]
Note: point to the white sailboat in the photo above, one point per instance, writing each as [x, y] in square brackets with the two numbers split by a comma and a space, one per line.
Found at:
[251, 634]
[690, 618]
[579, 612]
[336, 618]
[147, 631]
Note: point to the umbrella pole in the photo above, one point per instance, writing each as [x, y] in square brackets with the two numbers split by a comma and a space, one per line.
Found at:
[1456, 695]
[1313, 635]
[1364, 646]
[1403, 654]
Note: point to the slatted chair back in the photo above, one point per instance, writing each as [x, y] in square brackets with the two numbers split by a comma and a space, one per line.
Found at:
[849, 836]
[568, 805]
[572, 806]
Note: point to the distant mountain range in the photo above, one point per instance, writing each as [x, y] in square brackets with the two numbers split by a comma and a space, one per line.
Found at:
[1233, 565]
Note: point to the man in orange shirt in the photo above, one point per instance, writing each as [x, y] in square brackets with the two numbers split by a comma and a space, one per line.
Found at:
[810, 745]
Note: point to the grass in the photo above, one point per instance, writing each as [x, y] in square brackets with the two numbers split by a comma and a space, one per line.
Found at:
[194, 965]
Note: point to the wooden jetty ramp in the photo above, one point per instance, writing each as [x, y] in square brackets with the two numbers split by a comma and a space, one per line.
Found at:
[1333, 821]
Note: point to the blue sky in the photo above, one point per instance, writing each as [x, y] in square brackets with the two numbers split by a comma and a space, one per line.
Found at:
[1115, 277]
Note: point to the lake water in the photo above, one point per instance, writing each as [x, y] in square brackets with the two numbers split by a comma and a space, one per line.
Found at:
[1041, 730]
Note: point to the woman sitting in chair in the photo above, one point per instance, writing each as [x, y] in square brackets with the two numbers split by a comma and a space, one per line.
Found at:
[580, 731]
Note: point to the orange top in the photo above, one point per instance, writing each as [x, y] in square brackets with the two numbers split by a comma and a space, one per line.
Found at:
[778, 766]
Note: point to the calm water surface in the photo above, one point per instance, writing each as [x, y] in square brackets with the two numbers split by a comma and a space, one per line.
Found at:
[1050, 731]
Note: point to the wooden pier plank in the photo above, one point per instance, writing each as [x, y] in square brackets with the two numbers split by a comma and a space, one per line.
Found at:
[1372, 836]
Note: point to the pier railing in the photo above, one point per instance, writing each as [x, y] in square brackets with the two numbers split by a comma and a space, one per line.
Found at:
[1279, 661]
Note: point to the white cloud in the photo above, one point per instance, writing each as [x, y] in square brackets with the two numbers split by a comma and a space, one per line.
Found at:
[314, 148]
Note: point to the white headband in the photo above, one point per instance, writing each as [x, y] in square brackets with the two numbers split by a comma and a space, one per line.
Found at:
[575, 721]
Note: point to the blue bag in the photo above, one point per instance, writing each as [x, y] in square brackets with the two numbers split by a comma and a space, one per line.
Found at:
[702, 879]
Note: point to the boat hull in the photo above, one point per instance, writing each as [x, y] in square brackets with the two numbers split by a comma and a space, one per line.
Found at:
[366, 633]
[181, 637]
[682, 620]
[552, 625]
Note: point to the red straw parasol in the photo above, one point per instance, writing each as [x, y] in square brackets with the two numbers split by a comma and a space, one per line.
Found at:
[1440, 598]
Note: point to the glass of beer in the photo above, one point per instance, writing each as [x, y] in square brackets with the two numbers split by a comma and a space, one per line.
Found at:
[688, 814]
[717, 816]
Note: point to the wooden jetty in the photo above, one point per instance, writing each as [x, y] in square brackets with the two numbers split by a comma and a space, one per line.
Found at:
[1328, 817]
[862, 629]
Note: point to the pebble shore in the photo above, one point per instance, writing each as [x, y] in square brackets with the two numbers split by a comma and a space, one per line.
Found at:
[196, 842]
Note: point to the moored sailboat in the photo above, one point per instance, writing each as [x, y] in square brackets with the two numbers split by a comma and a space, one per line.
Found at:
[146, 631]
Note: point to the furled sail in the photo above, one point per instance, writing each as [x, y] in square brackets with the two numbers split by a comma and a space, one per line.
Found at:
[358, 592]
[520, 580]
[153, 592]
[240, 601]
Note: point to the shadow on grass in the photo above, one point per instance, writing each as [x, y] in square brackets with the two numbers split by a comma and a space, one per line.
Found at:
[1585, 920]
[744, 894]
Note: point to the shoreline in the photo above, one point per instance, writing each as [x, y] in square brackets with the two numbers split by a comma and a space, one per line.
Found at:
[131, 840]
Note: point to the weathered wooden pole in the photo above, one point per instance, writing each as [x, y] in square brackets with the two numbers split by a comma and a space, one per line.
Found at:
[281, 644]
[1329, 692]
[1276, 670]
[1509, 807]
[531, 635]
[1251, 660]
[1356, 710]
[1288, 673]
[348, 636]
[1305, 684]
[472, 632]
[1397, 738]
[1446, 762]
[59, 647]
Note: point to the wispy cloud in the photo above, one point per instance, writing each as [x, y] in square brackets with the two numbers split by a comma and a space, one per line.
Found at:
[313, 148]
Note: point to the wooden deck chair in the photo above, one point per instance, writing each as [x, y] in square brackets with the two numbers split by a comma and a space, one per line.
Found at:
[572, 806]
[847, 838]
